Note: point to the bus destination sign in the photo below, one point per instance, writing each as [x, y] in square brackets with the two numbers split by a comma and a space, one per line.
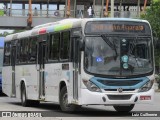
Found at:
[118, 27]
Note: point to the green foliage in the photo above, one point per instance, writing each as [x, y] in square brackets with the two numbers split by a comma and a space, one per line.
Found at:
[153, 16]
[1, 13]
[158, 80]
[4, 34]
[17, 31]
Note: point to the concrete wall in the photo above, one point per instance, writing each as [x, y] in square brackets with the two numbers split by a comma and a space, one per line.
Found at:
[21, 22]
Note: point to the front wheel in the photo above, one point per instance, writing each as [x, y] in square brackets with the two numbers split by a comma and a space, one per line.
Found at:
[24, 100]
[64, 102]
[124, 108]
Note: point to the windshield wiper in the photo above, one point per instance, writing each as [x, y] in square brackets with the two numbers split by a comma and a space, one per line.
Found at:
[110, 44]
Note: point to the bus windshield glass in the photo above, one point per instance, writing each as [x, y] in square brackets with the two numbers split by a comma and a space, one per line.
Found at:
[118, 56]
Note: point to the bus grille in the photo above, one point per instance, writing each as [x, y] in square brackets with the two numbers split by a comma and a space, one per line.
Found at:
[119, 97]
[116, 89]
[119, 82]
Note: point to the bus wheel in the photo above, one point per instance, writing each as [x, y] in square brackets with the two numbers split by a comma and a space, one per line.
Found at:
[24, 100]
[64, 102]
[124, 108]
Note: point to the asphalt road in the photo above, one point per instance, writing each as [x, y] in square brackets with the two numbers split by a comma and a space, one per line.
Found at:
[85, 113]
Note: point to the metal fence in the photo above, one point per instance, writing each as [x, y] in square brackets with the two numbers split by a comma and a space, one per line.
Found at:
[62, 13]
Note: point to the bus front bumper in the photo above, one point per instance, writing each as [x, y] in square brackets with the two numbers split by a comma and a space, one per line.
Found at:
[97, 98]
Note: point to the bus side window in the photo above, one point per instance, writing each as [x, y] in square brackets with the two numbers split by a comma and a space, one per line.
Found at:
[32, 50]
[23, 57]
[53, 50]
[65, 45]
[18, 51]
[7, 53]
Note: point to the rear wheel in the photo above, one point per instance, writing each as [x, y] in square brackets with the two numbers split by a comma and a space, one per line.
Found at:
[64, 102]
[124, 108]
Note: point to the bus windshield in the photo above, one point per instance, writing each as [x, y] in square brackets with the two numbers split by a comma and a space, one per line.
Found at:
[118, 56]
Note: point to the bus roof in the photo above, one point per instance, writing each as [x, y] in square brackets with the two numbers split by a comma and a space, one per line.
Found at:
[63, 25]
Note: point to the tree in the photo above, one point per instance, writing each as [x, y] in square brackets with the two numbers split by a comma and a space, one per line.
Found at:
[5, 33]
[153, 16]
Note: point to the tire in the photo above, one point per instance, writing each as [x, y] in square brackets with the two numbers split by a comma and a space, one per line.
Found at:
[24, 101]
[64, 102]
[124, 108]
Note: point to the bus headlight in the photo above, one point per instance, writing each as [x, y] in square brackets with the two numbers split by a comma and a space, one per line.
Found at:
[146, 86]
[91, 86]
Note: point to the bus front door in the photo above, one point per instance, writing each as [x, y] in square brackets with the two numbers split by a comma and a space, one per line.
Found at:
[13, 60]
[41, 62]
[75, 66]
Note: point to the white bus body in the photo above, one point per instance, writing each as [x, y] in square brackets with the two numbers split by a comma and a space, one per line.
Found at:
[44, 72]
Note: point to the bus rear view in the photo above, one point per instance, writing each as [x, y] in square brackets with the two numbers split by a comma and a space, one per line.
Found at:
[118, 63]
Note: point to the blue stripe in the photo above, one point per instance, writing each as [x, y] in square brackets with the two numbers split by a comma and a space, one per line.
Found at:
[1, 41]
[102, 86]
[50, 29]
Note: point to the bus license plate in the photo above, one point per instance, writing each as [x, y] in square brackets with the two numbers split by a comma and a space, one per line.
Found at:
[145, 97]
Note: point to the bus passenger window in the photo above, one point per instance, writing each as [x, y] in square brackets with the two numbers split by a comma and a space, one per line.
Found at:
[23, 48]
[65, 40]
[54, 47]
[32, 50]
[18, 51]
[7, 53]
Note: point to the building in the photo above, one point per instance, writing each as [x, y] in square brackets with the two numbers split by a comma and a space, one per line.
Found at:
[76, 8]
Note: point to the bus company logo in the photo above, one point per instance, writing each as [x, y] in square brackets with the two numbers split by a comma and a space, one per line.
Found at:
[120, 90]
[6, 114]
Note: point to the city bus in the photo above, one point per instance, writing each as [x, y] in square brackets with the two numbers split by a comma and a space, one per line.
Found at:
[78, 62]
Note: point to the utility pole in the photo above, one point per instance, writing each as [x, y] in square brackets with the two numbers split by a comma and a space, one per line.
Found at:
[145, 3]
[29, 20]
[10, 10]
[112, 8]
[102, 14]
[120, 9]
[47, 7]
[106, 11]
[68, 9]
[138, 8]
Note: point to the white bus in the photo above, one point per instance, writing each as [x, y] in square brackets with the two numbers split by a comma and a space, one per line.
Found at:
[75, 62]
